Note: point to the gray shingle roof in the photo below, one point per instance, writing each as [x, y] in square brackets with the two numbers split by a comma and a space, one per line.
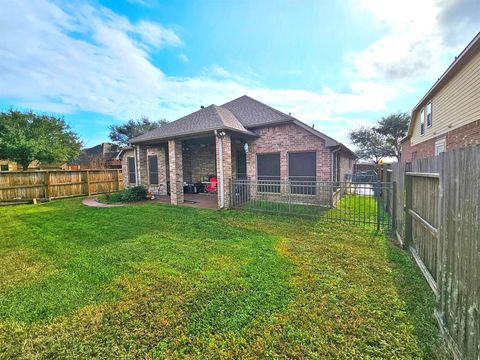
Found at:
[252, 113]
[237, 115]
[208, 119]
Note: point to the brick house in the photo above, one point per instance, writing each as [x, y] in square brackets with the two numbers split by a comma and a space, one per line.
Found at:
[448, 116]
[242, 139]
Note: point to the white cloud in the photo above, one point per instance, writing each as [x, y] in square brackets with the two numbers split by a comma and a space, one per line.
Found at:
[419, 37]
[82, 58]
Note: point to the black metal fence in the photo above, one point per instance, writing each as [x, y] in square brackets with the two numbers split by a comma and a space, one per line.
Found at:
[350, 202]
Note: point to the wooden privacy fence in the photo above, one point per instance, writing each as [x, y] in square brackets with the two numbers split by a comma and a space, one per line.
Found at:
[56, 184]
[437, 218]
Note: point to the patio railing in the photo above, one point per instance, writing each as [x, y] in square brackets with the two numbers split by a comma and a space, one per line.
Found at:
[360, 203]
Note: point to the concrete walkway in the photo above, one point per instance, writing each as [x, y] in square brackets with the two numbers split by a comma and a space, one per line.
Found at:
[93, 202]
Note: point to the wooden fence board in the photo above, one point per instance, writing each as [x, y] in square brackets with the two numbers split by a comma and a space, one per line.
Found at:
[441, 196]
[54, 184]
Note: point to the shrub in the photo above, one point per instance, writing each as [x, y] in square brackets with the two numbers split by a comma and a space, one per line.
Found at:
[137, 193]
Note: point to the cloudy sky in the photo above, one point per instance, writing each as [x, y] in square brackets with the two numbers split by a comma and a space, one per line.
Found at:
[335, 64]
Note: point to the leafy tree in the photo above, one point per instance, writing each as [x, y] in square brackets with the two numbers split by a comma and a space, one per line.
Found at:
[370, 144]
[120, 134]
[393, 127]
[26, 136]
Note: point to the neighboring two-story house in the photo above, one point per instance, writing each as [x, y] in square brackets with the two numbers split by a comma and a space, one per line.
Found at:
[448, 116]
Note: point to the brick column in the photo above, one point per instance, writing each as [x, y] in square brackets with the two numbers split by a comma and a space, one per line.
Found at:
[227, 167]
[162, 170]
[142, 165]
[176, 171]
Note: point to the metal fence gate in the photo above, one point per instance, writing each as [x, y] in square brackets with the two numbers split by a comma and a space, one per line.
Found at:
[364, 203]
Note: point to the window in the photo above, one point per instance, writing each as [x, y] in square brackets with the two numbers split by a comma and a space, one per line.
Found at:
[268, 172]
[153, 169]
[132, 178]
[429, 114]
[422, 122]
[440, 147]
[302, 172]
[3, 167]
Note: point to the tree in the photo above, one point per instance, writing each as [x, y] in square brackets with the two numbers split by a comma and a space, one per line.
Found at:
[26, 136]
[120, 134]
[370, 144]
[393, 127]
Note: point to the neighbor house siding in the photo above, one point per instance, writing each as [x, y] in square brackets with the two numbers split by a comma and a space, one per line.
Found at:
[455, 105]
[284, 139]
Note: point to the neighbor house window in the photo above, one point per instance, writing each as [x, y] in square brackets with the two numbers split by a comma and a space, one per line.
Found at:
[268, 172]
[429, 114]
[132, 178]
[422, 122]
[3, 167]
[440, 147]
[153, 169]
[302, 172]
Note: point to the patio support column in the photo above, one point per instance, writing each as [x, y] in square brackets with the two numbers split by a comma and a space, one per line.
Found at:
[176, 171]
[224, 162]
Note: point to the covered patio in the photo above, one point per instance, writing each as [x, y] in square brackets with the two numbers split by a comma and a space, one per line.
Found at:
[193, 171]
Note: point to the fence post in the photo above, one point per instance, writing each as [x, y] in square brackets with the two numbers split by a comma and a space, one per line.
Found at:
[408, 206]
[119, 180]
[47, 178]
[88, 182]
[394, 206]
[378, 195]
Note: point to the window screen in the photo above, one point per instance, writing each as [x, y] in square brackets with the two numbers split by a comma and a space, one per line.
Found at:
[422, 122]
[429, 114]
[131, 170]
[302, 172]
[268, 172]
[153, 169]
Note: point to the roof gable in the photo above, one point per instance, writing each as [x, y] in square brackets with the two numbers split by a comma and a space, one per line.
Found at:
[252, 113]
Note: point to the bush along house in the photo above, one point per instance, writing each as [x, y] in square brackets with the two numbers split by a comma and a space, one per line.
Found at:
[242, 140]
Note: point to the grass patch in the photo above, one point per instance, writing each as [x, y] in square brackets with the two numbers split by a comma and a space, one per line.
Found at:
[161, 281]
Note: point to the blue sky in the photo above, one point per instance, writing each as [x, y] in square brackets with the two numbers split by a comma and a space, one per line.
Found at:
[336, 64]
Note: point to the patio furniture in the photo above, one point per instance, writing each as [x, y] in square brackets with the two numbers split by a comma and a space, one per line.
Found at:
[213, 184]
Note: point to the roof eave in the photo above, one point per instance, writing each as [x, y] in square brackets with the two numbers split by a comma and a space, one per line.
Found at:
[193, 133]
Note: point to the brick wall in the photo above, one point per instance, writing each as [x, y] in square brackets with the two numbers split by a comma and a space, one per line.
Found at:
[144, 152]
[464, 136]
[284, 139]
[458, 138]
[126, 155]
[198, 160]
[346, 166]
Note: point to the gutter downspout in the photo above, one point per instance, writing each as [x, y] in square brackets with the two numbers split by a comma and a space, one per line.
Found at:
[220, 156]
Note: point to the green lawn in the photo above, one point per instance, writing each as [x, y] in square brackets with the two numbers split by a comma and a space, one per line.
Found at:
[167, 282]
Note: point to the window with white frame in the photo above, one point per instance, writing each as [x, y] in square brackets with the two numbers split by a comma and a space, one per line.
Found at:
[429, 114]
[422, 122]
[440, 147]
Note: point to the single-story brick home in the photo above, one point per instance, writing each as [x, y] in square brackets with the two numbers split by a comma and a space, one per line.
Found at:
[242, 139]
